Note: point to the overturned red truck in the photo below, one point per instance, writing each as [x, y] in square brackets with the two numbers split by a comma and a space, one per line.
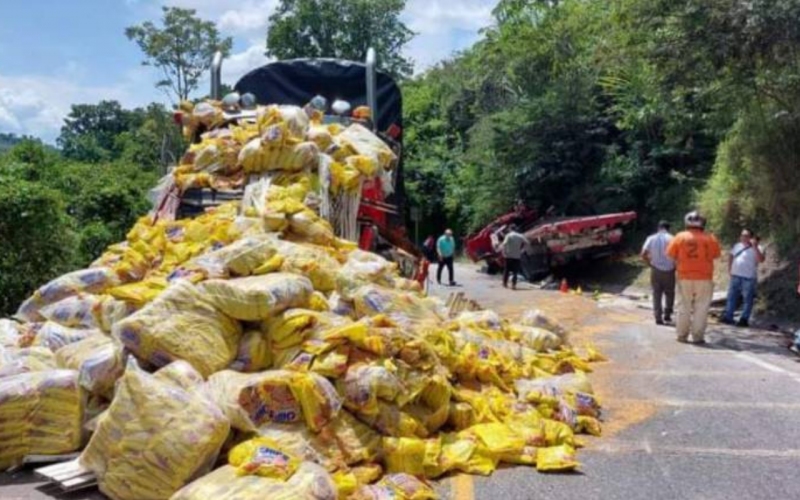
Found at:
[554, 241]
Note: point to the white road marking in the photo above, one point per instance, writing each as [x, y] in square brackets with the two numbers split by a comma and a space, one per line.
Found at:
[768, 366]
[622, 446]
[619, 403]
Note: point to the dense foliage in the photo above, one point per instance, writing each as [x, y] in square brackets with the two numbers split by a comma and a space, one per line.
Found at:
[343, 30]
[61, 210]
[615, 105]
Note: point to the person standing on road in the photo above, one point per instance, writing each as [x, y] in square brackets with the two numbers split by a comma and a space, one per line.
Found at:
[743, 268]
[429, 248]
[694, 252]
[513, 246]
[445, 250]
[662, 272]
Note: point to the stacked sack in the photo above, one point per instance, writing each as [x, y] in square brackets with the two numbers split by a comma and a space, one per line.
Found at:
[253, 349]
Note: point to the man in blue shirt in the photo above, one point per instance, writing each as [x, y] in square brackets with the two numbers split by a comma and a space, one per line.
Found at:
[445, 249]
[662, 271]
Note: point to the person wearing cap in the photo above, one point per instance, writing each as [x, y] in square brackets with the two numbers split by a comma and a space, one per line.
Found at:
[662, 272]
[743, 267]
[513, 246]
[445, 250]
[694, 252]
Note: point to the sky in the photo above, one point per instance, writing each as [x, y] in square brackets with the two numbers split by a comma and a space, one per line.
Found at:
[54, 53]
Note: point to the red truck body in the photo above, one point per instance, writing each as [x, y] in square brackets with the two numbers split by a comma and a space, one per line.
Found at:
[554, 241]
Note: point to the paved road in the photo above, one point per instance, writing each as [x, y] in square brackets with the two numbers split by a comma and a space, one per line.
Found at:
[682, 421]
[715, 422]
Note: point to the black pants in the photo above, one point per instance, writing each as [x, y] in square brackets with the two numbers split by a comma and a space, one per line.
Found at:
[512, 267]
[445, 262]
[663, 283]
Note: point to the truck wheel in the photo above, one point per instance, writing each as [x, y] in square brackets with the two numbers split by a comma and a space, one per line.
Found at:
[535, 266]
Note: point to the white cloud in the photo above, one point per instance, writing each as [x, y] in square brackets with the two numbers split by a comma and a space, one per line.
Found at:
[36, 105]
[249, 17]
[236, 65]
[444, 27]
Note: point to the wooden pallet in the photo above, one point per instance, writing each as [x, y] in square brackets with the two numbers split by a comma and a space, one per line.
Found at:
[457, 302]
[68, 476]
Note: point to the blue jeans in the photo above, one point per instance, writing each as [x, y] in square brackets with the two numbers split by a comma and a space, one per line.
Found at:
[740, 287]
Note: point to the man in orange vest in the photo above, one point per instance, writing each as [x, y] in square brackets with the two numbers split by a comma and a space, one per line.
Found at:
[694, 252]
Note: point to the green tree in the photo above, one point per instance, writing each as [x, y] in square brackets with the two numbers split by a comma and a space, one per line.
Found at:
[342, 30]
[155, 144]
[36, 242]
[90, 131]
[181, 49]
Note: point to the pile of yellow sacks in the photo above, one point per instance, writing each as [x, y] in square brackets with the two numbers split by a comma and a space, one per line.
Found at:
[251, 352]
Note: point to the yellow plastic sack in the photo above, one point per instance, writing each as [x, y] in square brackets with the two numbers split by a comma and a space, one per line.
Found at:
[55, 336]
[98, 360]
[537, 339]
[356, 441]
[224, 388]
[309, 482]
[312, 261]
[497, 438]
[11, 333]
[392, 421]
[411, 455]
[308, 227]
[92, 280]
[87, 311]
[155, 438]
[254, 354]
[456, 452]
[293, 327]
[283, 396]
[396, 486]
[240, 258]
[301, 442]
[263, 457]
[362, 268]
[17, 360]
[41, 413]
[404, 309]
[361, 141]
[140, 293]
[257, 297]
[363, 384]
[181, 324]
[539, 319]
[556, 458]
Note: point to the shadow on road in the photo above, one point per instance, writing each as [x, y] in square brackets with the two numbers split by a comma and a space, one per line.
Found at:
[756, 341]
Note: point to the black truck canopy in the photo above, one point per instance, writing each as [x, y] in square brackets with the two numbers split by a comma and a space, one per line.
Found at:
[297, 81]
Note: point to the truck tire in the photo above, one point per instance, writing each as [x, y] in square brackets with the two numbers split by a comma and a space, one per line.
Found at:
[535, 265]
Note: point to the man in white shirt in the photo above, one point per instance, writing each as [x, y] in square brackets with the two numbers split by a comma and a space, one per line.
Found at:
[662, 272]
[513, 246]
[743, 267]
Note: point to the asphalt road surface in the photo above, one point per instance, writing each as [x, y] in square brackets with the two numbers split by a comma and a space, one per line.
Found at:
[720, 421]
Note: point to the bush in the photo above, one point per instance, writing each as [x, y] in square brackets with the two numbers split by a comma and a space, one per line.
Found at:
[756, 182]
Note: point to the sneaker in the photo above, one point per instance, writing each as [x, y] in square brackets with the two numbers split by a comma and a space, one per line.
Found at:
[660, 322]
[700, 342]
[726, 321]
[667, 319]
[743, 323]
[683, 341]
[452, 283]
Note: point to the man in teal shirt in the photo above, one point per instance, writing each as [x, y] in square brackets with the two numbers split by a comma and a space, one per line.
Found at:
[445, 249]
